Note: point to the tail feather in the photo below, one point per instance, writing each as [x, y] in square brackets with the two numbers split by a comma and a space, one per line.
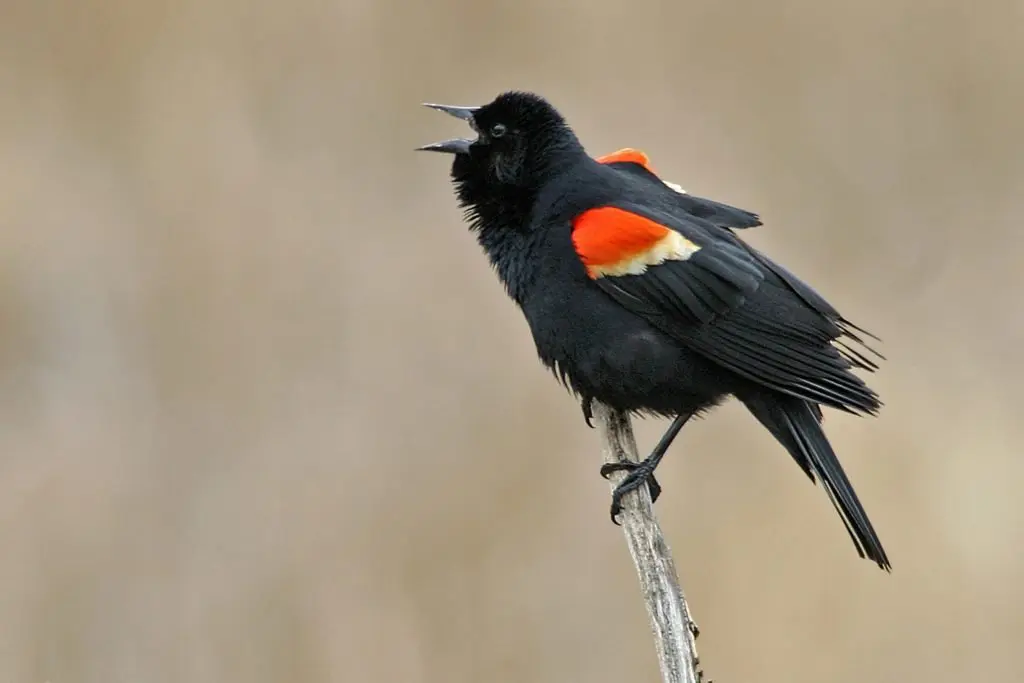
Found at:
[797, 426]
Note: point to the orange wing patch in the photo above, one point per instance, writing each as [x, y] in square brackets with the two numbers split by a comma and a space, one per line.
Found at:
[612, 241]
[627, 154]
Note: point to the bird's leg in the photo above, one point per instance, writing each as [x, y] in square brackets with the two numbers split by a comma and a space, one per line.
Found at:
[640, 472]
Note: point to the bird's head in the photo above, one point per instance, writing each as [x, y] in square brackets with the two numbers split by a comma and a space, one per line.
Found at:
[521, 140]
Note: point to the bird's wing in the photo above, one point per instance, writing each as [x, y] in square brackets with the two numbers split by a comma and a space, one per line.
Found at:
[719, 299]
[673, 272]
[850, 336]
[635, 163]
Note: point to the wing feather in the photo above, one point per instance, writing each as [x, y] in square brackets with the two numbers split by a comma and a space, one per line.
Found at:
[636, 164]
[727, 302]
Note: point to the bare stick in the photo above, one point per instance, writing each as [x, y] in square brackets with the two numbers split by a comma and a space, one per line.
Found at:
[674, 631]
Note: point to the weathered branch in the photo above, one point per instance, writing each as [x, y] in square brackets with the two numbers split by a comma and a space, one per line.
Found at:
[674, 631]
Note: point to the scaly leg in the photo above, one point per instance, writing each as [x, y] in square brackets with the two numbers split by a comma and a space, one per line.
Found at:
[640, 472]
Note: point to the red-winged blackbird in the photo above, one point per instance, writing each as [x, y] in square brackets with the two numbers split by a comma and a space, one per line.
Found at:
[642, 297]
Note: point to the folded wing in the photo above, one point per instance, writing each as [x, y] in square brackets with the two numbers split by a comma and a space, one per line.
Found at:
[635, 163]
[721, 299]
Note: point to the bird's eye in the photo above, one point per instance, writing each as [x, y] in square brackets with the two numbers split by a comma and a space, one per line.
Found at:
[498, 129]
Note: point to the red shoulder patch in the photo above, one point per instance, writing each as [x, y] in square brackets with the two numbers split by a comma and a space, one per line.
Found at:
[613, 241]
[627, 154]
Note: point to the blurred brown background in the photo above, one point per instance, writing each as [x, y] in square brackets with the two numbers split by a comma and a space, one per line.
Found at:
[266, 415]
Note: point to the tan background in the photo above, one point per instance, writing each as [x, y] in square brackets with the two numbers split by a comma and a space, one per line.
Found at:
[266, 415]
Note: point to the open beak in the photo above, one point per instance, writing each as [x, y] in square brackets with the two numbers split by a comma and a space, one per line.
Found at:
[455, 145]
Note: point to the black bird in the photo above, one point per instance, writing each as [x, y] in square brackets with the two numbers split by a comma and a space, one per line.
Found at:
[642, 297]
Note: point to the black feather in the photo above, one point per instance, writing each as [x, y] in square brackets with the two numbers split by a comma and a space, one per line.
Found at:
[720, 214]
[797, 428]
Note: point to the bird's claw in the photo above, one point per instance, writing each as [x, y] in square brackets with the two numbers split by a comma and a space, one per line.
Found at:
[588, 411]
[639, 473]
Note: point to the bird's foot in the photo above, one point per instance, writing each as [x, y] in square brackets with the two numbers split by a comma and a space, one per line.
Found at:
[639, 473]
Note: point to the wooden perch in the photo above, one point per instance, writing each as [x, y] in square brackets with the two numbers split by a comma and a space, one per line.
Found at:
[674, 631]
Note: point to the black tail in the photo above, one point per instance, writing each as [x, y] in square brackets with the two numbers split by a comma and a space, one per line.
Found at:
[797, 426]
